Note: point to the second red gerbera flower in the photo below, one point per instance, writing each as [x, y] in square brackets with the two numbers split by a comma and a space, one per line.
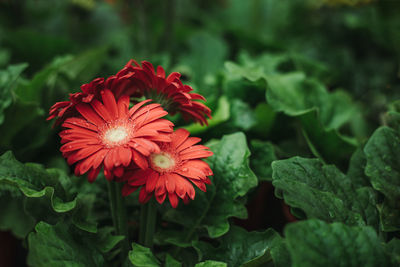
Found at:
[172, 170]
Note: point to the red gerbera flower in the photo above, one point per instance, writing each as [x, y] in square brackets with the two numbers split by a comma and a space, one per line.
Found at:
[111, 135]
[169, 92]
[172, 170]
[136, 81]
[119, 83]
[66, 109]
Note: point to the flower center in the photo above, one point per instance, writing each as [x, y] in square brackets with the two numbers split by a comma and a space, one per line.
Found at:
[116, 135]
[162, 161]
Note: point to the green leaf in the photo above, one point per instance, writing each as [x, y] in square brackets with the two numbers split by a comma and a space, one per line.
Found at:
[64, 245]
[263, 154]
[35, 193]
[84, 65]
[211, 264]
[14, 218]
[321, 113]
[243, 116]
[383, 162]
[8, 79]
[316, 243]
[356, 171]
[35, 182]
[104, 241]
[171, 262]
[232, 179]
[206, 57]
[323, 192]
[265, 119]
[239, 247]
[280, 254]
[287, 94]
[255, 69]
[383, 168]
[18, 118]
[392, 117]
[327, 144]
[393, 249]
[295, 95]
[142, 257]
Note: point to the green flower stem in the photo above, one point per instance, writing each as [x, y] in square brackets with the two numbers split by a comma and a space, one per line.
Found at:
[142, 223]
[148, 216]
[122, 218]
[118, 211]
[113, 204]
[151, 223]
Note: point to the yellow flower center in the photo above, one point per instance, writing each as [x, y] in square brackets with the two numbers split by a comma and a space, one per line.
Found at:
[162, 161]
[116, 135]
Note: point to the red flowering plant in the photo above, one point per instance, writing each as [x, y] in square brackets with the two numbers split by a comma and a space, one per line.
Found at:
[133, 144]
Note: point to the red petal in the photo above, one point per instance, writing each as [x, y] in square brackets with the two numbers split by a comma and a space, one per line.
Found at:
[118, 171]
[125, 155]
[173, 199]
[151, 181]
[161, 198]
[110, 103]
[200, 184]
[160, 72]
[127, 189]
[138, 175]
[87, 111]
[82, 153]
[137, 106]
[178, 137]
[188, 143]
[92, 175]
[160, 186]
[169, 183]
[123, 106]
[197, 155]
[78, 123]
[101, 110]
[144, 196]
[140, 160]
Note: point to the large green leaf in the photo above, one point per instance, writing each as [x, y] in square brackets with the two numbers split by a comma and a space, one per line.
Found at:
[142, 257]
[13, 216]
[322, 114]
[254, 69]
[34, 192]
[24, 129]
[64, 245]
[263, 154]
[232, 179]
[393, 249]
[35, 182]
[206, 56]
[322, 191]
[316, 243]
[239, 247]
[8, 80]
[383, 168]
[82, 66]
[210, 263]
